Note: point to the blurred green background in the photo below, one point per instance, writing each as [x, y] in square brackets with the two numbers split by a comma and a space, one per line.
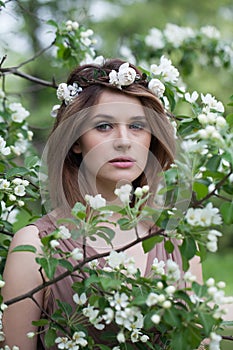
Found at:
[24, 32]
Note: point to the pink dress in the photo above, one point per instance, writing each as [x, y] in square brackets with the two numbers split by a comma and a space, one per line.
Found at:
[62, 290]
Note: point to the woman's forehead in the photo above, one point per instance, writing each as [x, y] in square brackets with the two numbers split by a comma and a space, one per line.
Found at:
[112, 103]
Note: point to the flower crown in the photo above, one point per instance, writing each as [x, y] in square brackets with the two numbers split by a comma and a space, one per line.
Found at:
[125, 76]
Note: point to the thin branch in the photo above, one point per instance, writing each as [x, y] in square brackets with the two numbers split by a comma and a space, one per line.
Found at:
[2, 60]
[78, 267]
[37, 54]
[227, 337]
[7, 233]
[219, 184]
[15, 71]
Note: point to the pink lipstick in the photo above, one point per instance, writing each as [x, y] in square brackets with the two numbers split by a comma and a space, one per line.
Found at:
[122, 162]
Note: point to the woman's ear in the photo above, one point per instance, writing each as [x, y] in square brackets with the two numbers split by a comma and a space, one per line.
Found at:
[76, 148]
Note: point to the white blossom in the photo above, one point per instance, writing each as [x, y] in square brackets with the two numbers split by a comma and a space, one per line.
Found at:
[166, 70]
[121, 337]
[158, 266]
[95, 202]
[62, 342]
[54, 243]
[91, 313]
[76, 254]
[211, 32]
[54, 111]
[80, 300]
[68, 92]
[4, 184]
[109, 315]
[144, 338]
[214, 341]
[203, 217]
[173, 271]
[3, 149]
[167, 304]
[30, 334]
[155, 319]
[189, 277]
[177, 35]
[115, 259]
[211, 103]
[155, 39]
[19, 112]
[152, 299]
[119, 301]
[191, 98]
[64, 232]
[2, 283]
[157, 87]
[79, 338]
[126, 75]
[124, 193]
[19, 190]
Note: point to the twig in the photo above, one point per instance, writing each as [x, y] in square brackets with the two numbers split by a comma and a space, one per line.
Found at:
[219, 184]
[2, 60]
[77, 267]
[227, 337]
[37, 54]
[7, 233]
[15, 71]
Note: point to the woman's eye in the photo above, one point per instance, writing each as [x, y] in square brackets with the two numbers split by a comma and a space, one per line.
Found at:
[103, 127]
[137, 126]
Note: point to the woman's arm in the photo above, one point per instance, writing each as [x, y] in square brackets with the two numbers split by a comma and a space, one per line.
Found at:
[22, 274]
[196, 268]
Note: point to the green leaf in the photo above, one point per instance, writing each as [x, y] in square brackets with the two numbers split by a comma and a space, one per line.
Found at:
[213, 163]
[79, 210]
[49, 265]
[20, 171]
[188, 248]
[226, 210]
[229, 119]
[207, 322]
[50, 338]
[169, 246]
[149, 243]
[103, 347]
[40, 323]
[66, 264]
[199, 290]
[171, 318]
[65, 307]
[107, 230]
[200, 189]
[109, 283]
[179, 341]
[24, 248]
[30, 161]
[52, 23]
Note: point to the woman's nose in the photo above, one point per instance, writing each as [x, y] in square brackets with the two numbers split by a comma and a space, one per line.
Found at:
[122, 140]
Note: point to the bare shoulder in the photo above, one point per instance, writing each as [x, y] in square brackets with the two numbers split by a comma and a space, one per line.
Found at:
[26, 235]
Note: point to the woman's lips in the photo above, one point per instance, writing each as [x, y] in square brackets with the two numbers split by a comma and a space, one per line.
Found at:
[122, 162]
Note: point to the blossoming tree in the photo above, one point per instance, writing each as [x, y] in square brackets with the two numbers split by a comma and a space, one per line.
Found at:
[140, 308]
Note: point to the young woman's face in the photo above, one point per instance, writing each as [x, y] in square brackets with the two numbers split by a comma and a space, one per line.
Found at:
[116, 144]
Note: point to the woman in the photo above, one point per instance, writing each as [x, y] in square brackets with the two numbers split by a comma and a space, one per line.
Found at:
[110, 130]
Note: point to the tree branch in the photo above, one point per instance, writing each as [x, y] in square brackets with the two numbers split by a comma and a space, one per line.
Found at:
[79, 266]
[197, 203]
[15, 71]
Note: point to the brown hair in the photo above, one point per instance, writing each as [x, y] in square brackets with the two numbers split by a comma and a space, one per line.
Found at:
[63, 163]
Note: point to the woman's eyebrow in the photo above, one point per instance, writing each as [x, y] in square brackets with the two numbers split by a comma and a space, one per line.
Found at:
[111, 117]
